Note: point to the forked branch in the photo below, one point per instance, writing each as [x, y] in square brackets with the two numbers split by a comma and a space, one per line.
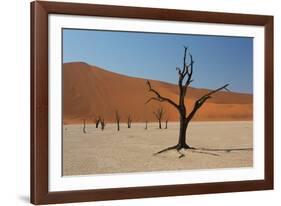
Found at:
[158, 97]
[214, 91]
[203, 99]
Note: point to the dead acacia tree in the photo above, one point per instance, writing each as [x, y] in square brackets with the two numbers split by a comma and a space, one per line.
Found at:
[84, 126]
[97, 121]
[166, 123]
[146, 124]
[184, 81]
[159, 113]
[102, 124]
[129, 121]
[117, 117]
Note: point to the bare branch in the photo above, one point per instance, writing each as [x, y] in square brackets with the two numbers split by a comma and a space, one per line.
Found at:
[189, 71]
[190, 65]
[159, 113]
[159, 97]
[184, 61]
[214, 91]
[179, 71]
[202, 100]
[227, 89]
[154, 98]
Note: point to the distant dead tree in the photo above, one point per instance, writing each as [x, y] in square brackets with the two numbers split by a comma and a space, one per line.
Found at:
[166, 123]
[159, 113]
[184, 80]
[129, 121]
[84, 126]
[117, 117]
[97, 121]
[146, 124]
[102, 124]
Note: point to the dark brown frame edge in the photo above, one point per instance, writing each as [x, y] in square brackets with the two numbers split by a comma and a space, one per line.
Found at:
[39, 102]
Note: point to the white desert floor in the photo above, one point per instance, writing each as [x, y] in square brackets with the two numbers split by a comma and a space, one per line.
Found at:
[131, 150]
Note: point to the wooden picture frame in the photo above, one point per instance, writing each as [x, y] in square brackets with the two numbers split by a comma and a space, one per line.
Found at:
[40, 193]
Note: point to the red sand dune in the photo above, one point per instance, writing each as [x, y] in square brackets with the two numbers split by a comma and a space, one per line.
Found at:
[89, 91]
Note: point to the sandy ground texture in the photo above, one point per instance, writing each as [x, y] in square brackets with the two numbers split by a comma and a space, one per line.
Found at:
[131, 150]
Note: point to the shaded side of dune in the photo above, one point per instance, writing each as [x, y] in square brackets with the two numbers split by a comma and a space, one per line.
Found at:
[89, 91]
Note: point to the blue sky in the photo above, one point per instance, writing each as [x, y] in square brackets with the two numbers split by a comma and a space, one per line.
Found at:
[218, 59]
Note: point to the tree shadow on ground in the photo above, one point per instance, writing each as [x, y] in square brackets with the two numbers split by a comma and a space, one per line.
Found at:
[202, 150]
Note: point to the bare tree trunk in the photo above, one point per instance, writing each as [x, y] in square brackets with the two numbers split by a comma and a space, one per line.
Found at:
[129, 121]
[97, 122]
[159, 115]
[159, 123]
[102, 124]
[182, 133]
[84, 126]
[117, 116]
[166, 124]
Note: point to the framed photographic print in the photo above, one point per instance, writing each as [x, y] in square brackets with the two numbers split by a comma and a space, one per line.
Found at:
[131, 102]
